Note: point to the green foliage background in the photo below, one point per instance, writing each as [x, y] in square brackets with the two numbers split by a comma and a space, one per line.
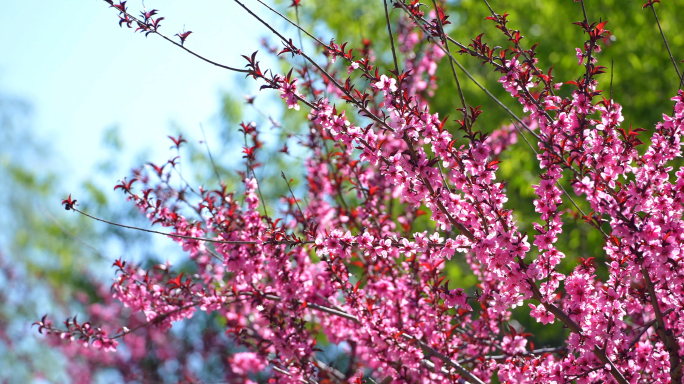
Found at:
[644, 80]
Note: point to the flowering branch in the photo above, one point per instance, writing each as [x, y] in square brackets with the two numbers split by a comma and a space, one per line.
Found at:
[128, 19]
[377, 284]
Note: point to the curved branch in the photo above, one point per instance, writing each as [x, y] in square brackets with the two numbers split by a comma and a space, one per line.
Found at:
[140, 22]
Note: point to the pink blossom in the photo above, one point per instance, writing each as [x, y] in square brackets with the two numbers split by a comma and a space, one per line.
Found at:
[244, 362]
[580, 56]
[541, 314]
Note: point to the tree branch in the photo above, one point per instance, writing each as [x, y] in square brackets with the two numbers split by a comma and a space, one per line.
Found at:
[181, 46]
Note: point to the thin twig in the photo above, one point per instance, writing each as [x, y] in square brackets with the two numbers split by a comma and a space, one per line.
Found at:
[391, 37]
[284, 372]
[317, 307]
[584, 11]
[431, 366]
[277, 242]
[210, 157]
[459, 368]
[645, 328]
[293, 23]
[250, 167]
[295, 200]
[667, 46]
[157, 319]
[307, 74]
[186, 237]
[451, 63]
[215, 256]
[180, 45]
[541, 351]
[68, 232]
[334, 373]
[261, 196]
[612, 65]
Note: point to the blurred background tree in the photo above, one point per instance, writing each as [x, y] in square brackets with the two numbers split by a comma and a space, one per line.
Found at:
[48, 259]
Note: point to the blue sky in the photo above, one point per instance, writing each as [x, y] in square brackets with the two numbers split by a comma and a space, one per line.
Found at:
[83, 74]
